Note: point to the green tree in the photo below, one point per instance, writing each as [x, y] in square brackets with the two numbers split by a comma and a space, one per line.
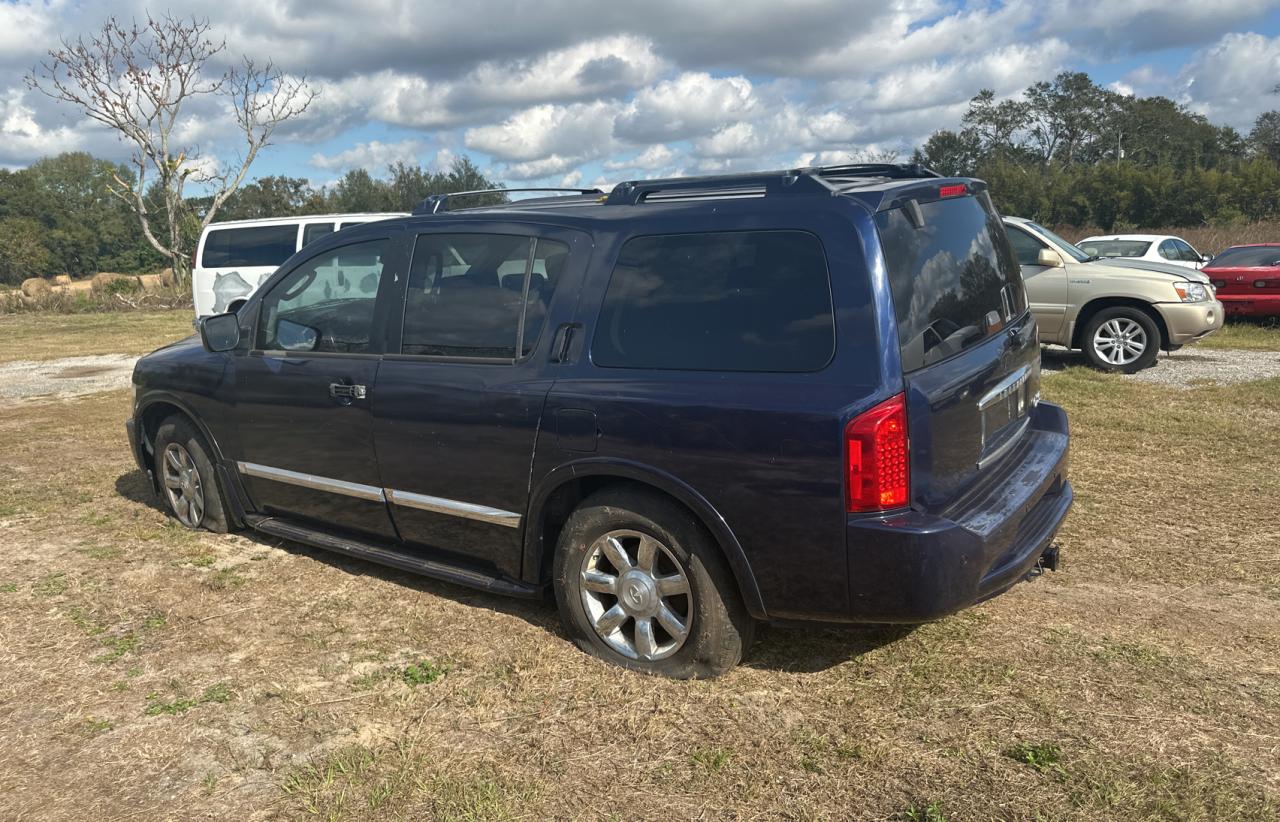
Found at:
[22, 252]
[1264, 139]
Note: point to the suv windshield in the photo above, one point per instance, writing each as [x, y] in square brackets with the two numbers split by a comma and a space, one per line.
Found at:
[955, 280]
[1114, 248]
[1067, 248]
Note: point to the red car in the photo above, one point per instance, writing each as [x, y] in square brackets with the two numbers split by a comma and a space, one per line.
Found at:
[1247, 278]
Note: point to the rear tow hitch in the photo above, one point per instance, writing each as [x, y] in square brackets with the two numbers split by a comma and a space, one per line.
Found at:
[1048, 562]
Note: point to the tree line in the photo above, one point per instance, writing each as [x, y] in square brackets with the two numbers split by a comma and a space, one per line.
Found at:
[60, 215]
[1070, 152]
[1066, 152]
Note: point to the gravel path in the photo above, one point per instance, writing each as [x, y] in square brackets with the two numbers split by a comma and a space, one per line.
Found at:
[1189, 367]
[67, 377]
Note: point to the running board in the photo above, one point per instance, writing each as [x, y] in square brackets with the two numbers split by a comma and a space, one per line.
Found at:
[394, 559]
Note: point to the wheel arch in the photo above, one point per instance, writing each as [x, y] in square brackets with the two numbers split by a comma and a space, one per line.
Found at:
[1091, 308]
[151, 413]
[560, 492]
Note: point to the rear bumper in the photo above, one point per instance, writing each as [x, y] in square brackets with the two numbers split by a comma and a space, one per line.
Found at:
[915, 567]
[1251, 305]
[1187, 322]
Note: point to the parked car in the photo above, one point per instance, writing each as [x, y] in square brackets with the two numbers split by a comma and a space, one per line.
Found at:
[1156, 248]
[1247, 278]
[684, 407]
[1119, 315]
[234, 258]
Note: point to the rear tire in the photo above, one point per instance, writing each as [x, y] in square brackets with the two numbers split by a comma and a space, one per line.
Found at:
[640, 584]
[186, 477]
[1121, 339]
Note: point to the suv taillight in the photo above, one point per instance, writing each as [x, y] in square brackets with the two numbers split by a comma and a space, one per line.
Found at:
[878, 458]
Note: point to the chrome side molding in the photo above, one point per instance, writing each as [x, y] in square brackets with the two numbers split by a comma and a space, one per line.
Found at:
[467, 510]
[407, 499]
[333, 486]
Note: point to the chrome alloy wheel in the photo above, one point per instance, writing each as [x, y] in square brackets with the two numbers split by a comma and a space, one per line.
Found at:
[1120, 341]
[636, 595]
[182, 485]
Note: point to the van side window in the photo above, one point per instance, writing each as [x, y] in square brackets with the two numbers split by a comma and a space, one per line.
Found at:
[479, 295]
[314, 231]
[325, 304]
[722, 301]
[267, 245]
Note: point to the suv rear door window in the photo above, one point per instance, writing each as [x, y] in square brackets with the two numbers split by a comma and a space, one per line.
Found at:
[955, 280]
[267, 245]
[479, 295]
[722, 301]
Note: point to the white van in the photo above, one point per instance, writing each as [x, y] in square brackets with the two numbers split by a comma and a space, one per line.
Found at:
[234, 258]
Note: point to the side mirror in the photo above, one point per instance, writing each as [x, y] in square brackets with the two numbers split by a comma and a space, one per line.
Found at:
[1049, 258]
[1206, 258]
[220, 332]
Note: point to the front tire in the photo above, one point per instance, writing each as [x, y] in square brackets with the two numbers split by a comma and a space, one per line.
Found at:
[640, 584]
[187, 480]
[1121, 339]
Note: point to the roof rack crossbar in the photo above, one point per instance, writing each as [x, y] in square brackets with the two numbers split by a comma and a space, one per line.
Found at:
[435, 203]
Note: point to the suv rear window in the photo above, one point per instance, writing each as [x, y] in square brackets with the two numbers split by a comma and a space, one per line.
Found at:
[267, 245]
[722, 301]
[948, 277]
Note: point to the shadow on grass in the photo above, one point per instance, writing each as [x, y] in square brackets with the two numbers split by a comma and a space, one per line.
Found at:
[135, 487]
[783, 648]
[802, 649]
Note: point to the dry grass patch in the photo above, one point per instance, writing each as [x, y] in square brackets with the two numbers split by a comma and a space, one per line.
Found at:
[47, 336]
[1262, 335]
[242, 677]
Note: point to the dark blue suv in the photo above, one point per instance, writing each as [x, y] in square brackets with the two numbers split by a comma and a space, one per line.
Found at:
[685, 406]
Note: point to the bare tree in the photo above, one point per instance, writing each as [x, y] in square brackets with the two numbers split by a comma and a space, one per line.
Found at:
[136, 80]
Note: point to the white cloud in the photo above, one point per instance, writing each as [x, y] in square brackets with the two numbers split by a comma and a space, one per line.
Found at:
[1235, 80]
[23, 138]
[570, 88]
[691, 104]
[656, 156]
[575, 130]
[371, 155]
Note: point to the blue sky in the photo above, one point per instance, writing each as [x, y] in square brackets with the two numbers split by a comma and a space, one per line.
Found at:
[575, 92]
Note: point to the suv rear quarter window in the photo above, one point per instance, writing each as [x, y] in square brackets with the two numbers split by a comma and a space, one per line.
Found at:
[718, 301]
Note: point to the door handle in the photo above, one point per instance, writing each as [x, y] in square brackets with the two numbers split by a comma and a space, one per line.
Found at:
[563, 342]
[349, 392]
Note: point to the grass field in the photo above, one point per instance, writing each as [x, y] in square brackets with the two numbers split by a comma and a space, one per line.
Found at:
[150, 672]
[41, 336]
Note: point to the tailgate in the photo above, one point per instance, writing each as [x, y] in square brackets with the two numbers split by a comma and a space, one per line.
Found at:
[969, 348]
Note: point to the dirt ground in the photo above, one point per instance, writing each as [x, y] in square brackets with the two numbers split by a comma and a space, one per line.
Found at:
[148, 672]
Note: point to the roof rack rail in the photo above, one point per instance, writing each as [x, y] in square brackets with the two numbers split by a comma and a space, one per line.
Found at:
[435, 203]
[815, 179]
[904, 171]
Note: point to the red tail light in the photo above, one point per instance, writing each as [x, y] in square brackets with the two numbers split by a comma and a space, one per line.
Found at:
[952, 191]
[878, 458]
